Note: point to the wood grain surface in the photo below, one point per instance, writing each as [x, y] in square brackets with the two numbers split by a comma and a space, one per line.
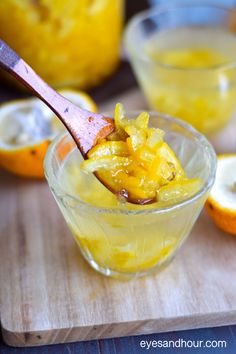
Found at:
[49, 294]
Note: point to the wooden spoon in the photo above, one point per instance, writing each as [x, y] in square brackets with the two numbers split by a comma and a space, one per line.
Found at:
[85, 127]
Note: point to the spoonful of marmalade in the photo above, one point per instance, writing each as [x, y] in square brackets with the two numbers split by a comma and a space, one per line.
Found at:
[129, 158]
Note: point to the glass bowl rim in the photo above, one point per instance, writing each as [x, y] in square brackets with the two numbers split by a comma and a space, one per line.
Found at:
[58, 190]
[156, 11]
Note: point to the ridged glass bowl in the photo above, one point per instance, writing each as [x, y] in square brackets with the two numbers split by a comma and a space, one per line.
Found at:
[127, 240]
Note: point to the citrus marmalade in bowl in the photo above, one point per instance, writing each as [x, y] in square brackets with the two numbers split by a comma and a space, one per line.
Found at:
[161, 163]
[184, 57]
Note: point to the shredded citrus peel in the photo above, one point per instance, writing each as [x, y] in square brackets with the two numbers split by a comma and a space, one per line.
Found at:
[137, 164]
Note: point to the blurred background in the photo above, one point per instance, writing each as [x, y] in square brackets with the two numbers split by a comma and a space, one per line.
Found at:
[182, 55]
[82, 49]
[76, 44]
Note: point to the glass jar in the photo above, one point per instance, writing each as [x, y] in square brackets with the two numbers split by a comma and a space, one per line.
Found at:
[68, 43]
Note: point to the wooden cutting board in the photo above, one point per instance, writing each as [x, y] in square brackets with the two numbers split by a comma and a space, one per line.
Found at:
[48, 293]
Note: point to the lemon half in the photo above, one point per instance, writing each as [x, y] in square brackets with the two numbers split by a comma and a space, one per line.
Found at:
[221, 204]
[27, 127]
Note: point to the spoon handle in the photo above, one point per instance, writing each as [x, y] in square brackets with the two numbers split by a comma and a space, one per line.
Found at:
[85, 127]
[16, 66]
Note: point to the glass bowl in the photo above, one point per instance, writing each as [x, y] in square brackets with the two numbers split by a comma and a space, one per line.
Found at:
[127, 240]
[172, 78]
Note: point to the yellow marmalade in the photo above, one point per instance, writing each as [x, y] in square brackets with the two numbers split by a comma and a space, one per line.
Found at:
[69, 43]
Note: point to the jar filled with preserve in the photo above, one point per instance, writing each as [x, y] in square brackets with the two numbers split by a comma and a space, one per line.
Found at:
[68, 42]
